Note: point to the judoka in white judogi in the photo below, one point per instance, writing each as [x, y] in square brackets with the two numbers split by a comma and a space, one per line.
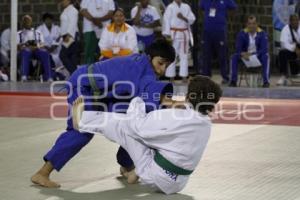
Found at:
[179, 31]
[159, 142]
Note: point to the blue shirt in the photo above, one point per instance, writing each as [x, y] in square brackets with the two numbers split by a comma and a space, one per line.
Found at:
[219, 21]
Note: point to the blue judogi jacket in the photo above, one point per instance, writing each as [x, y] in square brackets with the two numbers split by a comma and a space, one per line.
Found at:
[261, 41]
[131, 75]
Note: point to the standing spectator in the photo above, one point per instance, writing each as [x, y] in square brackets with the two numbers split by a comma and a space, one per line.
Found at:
[69, 53]
[251, 41]
[159, 5]
[118, 38]
[31, 45]
[145, 19]
[176, 26]
[214, 34]
[51, 33]
[97, 14]
[5, 47]
[290, 49]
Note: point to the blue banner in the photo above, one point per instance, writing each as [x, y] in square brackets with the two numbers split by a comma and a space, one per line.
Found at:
[282, 9]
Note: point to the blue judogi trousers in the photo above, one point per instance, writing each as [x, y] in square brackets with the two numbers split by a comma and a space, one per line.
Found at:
[264, 59]
[145, 41]
[215, 42]
[42, 55]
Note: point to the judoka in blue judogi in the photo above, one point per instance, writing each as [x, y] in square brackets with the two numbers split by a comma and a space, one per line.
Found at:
[111, 80]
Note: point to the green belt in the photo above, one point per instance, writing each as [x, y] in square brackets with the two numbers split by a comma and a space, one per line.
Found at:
[96, 90]
[167, 165]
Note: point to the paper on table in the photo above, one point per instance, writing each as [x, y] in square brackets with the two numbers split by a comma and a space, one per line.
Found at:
[252, 62]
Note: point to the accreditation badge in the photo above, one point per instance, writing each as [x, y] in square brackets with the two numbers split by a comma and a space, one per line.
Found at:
[212, 12]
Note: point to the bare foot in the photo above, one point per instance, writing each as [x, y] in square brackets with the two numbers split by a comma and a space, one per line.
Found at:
[77, 109]
[44, 181]
[132, 178]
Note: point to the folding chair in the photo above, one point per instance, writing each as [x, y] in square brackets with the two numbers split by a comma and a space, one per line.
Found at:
[251, 75]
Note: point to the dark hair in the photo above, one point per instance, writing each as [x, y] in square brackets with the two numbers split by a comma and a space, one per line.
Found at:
[293, 16]
[76, 4]
[162, 48]
[251, 17]
[203, 94]
[119, 9]
[47, 16]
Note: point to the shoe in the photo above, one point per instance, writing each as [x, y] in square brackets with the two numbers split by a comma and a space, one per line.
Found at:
[3, 77]
[184, 80]
[232, 84]
[224, 82]
[24, 79]
[281, 81]
[266, 85]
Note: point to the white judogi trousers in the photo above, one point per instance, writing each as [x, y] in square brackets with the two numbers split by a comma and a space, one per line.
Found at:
[164, 130]
[181, 44]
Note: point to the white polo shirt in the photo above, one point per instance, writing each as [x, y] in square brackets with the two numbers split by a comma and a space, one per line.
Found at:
[69, 21]
[252, 43]
[286, 38]
[148, 15]
[97, 8]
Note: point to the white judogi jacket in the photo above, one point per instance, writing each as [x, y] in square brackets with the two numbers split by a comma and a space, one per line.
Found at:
[180, 135]
[286, 39]
[171, 22]
[52, 37]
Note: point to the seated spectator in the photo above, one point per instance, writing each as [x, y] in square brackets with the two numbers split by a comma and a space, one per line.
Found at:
[159, 5]
[251, 41]
[290, 49]
[145, 19]
[5, 47]
[31, 45]
[51, 33]
[118, 38]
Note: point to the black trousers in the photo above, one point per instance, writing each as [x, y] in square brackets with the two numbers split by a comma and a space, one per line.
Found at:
[70, 56]
[288, 57]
